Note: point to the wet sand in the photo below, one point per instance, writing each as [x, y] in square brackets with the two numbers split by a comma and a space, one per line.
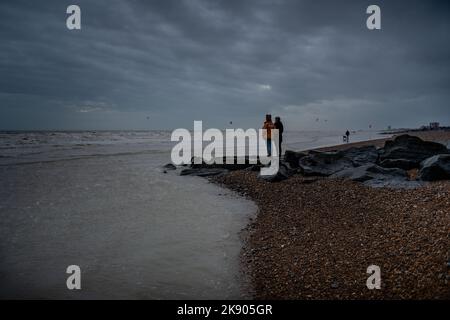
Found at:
[314, 238]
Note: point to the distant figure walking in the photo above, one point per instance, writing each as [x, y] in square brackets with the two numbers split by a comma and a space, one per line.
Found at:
[279, 125]
[268, 125]
[347, 136]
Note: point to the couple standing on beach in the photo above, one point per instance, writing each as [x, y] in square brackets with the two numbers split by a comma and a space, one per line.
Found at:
[269, 125]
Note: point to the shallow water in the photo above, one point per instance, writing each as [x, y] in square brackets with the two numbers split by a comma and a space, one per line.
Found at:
[100, 200]
[134, 231]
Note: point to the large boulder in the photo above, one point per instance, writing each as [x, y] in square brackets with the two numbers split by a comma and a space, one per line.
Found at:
[435, 168]
[362, 155]
[369, 172]
[283, 173]
[324, 163]
[376, 176]
[203, 172]
[292, 158]
[236, 163]
[202, 169]
[404, 164]
[327, 163]
[411, 148]
[170, 166]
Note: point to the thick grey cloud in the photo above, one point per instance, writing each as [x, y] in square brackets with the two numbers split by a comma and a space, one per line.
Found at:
[163, 64]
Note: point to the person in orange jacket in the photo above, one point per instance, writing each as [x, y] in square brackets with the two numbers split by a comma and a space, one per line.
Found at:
[268, 125]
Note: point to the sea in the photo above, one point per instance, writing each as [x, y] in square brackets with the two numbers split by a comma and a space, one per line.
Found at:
[101, 201]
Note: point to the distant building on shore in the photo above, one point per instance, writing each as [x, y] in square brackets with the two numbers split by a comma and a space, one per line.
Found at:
[434, 126]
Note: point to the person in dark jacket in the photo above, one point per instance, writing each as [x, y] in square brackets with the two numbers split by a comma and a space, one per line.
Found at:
[279, 125]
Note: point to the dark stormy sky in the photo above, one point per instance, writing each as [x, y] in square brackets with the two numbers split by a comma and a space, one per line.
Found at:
[162, 64]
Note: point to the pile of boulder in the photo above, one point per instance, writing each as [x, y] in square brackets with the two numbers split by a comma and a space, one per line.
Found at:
[203, 169]
[386, 166]
[377, 167]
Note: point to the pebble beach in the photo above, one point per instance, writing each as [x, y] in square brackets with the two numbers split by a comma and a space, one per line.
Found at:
[314, 238]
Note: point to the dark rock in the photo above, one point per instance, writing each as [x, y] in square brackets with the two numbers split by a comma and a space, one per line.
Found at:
[283, 173]
[324, 163]
[376, 176]
[202, 172]
[366, 172]
[327, 163]
[292, 158]
[243, 163]
[435, 168]
[170, 166]
[255, 167]
[404, 164]
[411, 148]
[362, 155]
[236, 163]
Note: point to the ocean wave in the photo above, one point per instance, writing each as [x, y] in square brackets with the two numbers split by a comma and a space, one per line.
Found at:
[23, 161]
